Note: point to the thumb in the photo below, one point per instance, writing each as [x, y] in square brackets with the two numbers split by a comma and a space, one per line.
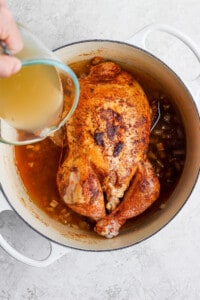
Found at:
[9, 65]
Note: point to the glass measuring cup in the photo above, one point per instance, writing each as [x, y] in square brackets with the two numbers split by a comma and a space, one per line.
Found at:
[40, 98]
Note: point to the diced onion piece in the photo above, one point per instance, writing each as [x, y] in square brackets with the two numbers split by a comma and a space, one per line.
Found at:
[160, 146]
[53, 203]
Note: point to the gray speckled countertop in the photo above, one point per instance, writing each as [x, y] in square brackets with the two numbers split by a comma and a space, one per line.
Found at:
[166, 266]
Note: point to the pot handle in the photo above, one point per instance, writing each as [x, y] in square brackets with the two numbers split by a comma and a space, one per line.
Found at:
[139, 39]
[56, 250]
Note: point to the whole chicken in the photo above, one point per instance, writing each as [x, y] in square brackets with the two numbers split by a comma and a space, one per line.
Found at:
[106, 175]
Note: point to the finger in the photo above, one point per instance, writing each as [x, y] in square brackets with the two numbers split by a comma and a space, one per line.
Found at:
[9, 31]
[9, 65]
[13, 40]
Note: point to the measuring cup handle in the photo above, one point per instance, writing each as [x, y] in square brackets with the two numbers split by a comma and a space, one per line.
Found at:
[140, 37]
[56, 251]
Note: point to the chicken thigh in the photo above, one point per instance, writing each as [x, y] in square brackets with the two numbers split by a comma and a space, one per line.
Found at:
[106, 175]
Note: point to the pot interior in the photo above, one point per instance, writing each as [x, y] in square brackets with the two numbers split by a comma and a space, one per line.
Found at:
[131, 58]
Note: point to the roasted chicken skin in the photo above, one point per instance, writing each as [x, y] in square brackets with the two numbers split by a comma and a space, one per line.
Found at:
[106, 166]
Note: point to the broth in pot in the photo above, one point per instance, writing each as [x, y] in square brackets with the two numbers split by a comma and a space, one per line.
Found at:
[38, 163]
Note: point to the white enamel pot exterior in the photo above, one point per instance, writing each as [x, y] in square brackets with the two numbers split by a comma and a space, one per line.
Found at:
[63, 237]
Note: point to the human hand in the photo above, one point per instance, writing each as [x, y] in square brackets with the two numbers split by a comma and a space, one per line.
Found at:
[10, 35]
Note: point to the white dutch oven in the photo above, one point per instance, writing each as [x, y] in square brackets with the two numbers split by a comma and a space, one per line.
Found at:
[132, 54]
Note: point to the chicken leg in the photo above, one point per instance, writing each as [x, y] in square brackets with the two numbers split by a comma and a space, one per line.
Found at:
[140, 195]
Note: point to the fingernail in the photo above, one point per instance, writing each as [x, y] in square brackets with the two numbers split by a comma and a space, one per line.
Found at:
[17, 66]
